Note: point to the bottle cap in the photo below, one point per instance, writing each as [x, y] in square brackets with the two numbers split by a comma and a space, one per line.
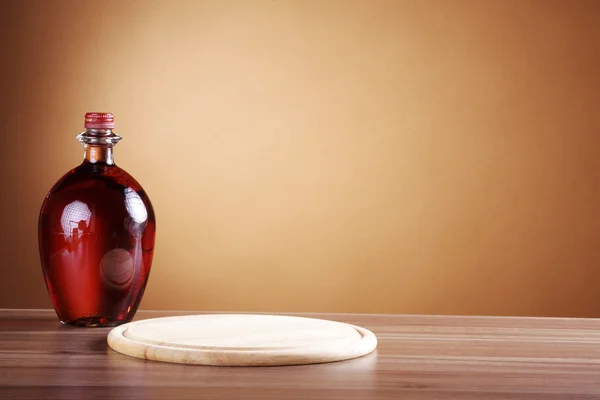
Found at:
[99, 120]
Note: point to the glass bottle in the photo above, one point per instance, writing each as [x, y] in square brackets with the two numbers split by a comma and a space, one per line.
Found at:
[96, 235]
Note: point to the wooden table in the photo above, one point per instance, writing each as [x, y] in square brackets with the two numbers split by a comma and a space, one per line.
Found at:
[419, 357]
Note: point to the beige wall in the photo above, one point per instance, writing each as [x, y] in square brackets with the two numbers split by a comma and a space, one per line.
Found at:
[354, 156]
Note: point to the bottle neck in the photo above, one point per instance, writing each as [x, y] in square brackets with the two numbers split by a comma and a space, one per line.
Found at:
[97, 153]
[98, 145]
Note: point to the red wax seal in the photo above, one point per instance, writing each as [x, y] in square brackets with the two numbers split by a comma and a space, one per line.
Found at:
[98, 120]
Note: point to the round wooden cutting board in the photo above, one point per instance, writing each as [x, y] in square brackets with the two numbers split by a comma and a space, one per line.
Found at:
[241, 340]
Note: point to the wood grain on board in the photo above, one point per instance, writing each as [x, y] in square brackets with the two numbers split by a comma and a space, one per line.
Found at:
[241, 340]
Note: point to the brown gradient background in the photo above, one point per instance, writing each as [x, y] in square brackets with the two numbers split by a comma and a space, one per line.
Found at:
[343, 156]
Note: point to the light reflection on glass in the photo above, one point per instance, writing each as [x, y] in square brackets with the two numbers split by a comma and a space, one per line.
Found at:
[75, 219]
[117, 269]
[135, 206]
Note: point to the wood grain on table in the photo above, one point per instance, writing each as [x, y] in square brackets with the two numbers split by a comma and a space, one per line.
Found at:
[418, 357]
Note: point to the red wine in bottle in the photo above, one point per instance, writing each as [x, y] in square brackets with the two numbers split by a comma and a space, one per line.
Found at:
[96, 235]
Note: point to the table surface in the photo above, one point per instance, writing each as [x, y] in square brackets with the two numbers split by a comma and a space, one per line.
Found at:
[418, 357]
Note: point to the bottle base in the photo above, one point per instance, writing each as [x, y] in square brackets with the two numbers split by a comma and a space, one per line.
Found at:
[94, 322]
